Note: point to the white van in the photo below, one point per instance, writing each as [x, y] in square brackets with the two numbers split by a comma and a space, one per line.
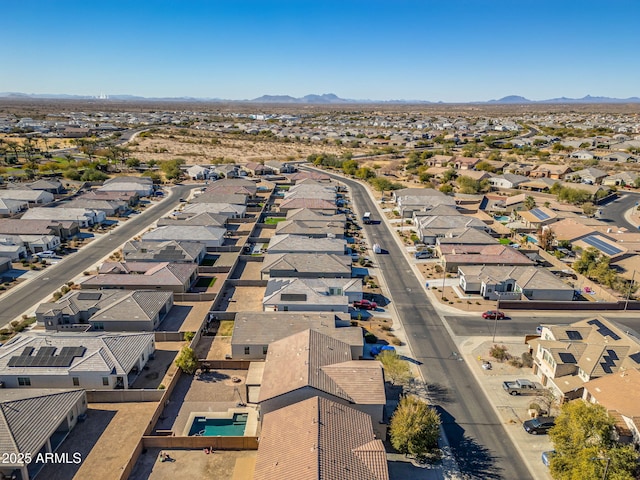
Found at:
[377, 248]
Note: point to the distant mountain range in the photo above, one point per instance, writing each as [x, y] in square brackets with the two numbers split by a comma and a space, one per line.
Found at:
[324, 99]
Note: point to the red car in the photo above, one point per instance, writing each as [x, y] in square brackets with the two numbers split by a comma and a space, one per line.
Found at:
[493, 314]
[365, 305]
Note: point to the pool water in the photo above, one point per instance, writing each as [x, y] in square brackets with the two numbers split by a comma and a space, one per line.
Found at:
[219, 427]
[501, 218]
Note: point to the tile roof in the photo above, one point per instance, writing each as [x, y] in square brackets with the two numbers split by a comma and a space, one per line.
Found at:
[185, 233]
[311, 203]
[526, 277]
[20, 432]
[309, 227]
[318, 439]
[483, 254]
[310, 290]
[307, 214]
[321, 263]
[301, 244]
[606, 390]
[219, 197]
[171, 250]
[138, 273]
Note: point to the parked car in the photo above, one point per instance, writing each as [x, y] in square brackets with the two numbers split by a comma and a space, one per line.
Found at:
[539, 425]
[423, 254]
[377, 248]
[547, 456]
[365, 304]
[46, 254]
[522, 387]
[493, 314]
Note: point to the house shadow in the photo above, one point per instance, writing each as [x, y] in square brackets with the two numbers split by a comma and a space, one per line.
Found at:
[82, 440]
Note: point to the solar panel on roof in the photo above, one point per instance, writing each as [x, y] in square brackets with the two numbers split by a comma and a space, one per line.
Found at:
[89, 296]
[601, 245]
[46, 351]
[567, 357]
[539, 214]
[574, 335]
[635, 357]
[604, 330]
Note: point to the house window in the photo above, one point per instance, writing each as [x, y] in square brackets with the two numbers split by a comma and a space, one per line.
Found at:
[247, 350]
[98, 325]
[24, 381]
[76, 381]
[285, 308]
[264, 350]
[105, 381]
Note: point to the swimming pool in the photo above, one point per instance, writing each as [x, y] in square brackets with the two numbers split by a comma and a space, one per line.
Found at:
[501, 218]
[219, 427]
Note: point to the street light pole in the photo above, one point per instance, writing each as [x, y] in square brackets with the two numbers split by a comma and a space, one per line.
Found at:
[626, 302]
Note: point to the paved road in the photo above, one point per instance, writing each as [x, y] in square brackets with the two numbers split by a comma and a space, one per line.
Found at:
[613, 212]
[14, 303]
[525, 323]
[478, 440]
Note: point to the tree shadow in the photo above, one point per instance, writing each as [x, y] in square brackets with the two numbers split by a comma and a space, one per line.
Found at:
[474, 460]
[211, 376]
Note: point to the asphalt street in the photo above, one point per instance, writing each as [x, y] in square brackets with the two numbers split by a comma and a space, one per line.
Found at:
[477, 438]
[613, 212]
[520, 324]
[15, 302]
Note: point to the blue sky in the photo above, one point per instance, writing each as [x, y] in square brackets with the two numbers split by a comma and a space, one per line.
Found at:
[452, 51]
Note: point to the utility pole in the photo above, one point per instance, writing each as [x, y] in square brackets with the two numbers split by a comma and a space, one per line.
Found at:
[495, 322]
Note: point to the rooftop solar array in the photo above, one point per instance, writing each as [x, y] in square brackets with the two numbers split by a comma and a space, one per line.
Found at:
[45, 357]
[567, 357]
[574, 335]
[539, 214]
[601, 245]
[604, 330]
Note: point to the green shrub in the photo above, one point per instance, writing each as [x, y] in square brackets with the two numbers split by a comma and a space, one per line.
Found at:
[161, 387]
[370, 338]
[527, 360]
[188, 336]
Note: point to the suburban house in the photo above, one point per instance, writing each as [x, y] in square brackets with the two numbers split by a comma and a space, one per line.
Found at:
[432, 227]
[319, 439]
[409, 200]
[622, 157]
[625, 409]
[582, 155]
[91, 360]
[130, 198]
[310, 228]
[229, 210]
[106, 310]
[548, 170]
[143, 186]
[32, 197]
[253, 332]
[309, 363]
[455, 256]
[10, 207]
[198, 172]
[174, 277]
[567, 356]
[111, 208]
[237, 186]
[84, 217]
[513, 283]
[537, 217]
[304, 214]
[318, 204]
[540, 184]
[620, 179]
[305, 265]
[219, 197]
[256, 169]
[588, 175]
[14, 244]
[587, 236]
[311, 294]
[466, 236]
[300, 244]
[465, 163]
[57, 412]
[12, 250]
[52, 186]
[280, 167]
[317, 176]
[507, 180]
[205, 219]
[439, 160]
[169, 251]
[226, 170]
[208, 236]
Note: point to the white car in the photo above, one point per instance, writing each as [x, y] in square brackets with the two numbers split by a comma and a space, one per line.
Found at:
[46, 254]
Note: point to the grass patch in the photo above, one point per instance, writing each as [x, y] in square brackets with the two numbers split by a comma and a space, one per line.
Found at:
[274, 220]
[209, 261]
[226, 328]
[205, 282]
[504, 241]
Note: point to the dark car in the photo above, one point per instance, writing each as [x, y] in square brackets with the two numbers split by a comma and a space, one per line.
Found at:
[539, 425]
[493, 314]
[423, 254]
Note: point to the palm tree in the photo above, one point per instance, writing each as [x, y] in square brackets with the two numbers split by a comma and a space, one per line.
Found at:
[529, 202]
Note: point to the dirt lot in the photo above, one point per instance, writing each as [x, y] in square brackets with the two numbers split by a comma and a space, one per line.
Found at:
[185, 316]
[243, 299]
[202, 146]
[163, 359]
[195, 464]
[248, 270]
[113, 430]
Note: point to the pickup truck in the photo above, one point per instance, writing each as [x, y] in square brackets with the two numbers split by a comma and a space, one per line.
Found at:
[365, 305]
[522, 387]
